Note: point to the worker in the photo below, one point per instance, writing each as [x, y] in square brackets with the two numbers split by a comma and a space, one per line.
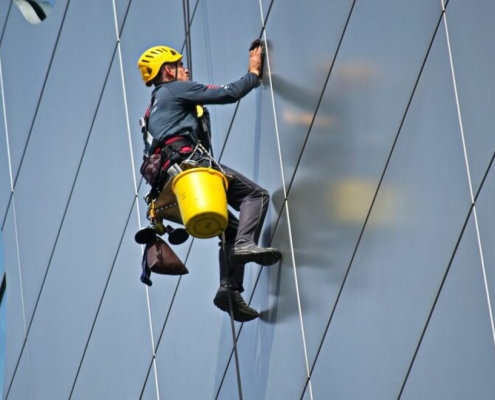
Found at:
[172, 121]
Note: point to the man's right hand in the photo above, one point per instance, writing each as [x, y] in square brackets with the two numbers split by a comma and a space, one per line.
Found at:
[256, 58]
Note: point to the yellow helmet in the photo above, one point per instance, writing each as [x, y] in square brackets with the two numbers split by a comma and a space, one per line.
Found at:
[152, 59]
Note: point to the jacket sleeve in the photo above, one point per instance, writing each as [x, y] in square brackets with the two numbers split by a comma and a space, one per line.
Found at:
[197, 93]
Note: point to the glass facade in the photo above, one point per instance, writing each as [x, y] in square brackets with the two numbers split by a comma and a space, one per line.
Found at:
[3, 314]
[372, 132]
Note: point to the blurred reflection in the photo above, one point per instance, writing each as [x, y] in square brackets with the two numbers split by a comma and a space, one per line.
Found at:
[357, 75]
[338, 172]
[342, 136]
[35, 11]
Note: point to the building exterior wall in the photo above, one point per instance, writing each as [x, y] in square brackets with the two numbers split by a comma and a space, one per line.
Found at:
[372, 131]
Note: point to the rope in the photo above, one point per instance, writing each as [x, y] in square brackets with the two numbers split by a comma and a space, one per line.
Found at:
[232, 325]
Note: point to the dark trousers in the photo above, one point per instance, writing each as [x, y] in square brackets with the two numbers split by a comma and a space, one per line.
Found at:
[251, 201]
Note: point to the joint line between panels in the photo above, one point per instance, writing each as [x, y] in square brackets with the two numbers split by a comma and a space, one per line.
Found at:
[466, 160]
[100, 304]
[299, 306]
[24, 319]
[279, 149]
[7, 143]
[458, 107]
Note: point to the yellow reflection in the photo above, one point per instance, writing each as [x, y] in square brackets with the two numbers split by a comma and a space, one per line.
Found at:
[351, 199]
[304, 118]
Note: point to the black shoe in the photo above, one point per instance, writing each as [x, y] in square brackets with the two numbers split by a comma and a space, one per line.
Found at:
[241, 312]
[248, 252]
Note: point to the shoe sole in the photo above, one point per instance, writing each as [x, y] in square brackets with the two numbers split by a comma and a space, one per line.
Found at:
[222, 302]
[268, 257]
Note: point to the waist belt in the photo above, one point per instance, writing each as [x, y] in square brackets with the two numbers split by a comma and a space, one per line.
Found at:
[173, 150]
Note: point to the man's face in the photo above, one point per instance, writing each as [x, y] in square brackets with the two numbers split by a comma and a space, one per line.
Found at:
[182, 72]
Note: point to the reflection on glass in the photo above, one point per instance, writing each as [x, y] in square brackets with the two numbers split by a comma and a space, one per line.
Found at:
[35, 11]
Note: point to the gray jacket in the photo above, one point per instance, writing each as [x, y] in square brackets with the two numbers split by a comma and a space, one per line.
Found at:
[172, 109]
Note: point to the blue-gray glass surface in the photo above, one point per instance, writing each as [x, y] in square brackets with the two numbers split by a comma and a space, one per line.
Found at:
[405, 248]
[485, 213]
[3, 314]
[122, 8]
[5, 7]
[360, 116]
[5, 175]
[20, 387]
[452, 359]
[371, 203]
[84, 273]
[24, 42]
[470, 30]
[16, 327]
[112, 334]
[62, 187]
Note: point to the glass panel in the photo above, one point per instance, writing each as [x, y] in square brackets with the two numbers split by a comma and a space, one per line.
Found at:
[349, 143]
[150, 390]
[64, 124]
[5, 181]
[300, 55]
[474, 66]
[29, 50]
[404, 251]
[21, 386]
[5, 6]
[486, 216]
[16, 327]
[230, 386]
[456, 358]
[124, 350]
[122, 7]
[83, 260]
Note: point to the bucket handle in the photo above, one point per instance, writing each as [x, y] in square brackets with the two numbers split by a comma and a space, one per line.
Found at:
[199, 149]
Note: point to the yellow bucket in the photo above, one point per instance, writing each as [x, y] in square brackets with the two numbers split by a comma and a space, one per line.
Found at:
[202, 199]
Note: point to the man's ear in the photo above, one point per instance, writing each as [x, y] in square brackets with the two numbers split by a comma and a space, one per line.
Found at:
[169, 72]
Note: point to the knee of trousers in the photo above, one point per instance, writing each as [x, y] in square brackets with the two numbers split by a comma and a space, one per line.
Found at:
[263, 193]
[266, 198]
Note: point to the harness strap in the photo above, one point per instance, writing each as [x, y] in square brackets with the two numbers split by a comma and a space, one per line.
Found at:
[173, 146]
[173, 151]
[146, 135]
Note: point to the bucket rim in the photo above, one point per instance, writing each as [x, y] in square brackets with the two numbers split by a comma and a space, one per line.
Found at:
[201, 169]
